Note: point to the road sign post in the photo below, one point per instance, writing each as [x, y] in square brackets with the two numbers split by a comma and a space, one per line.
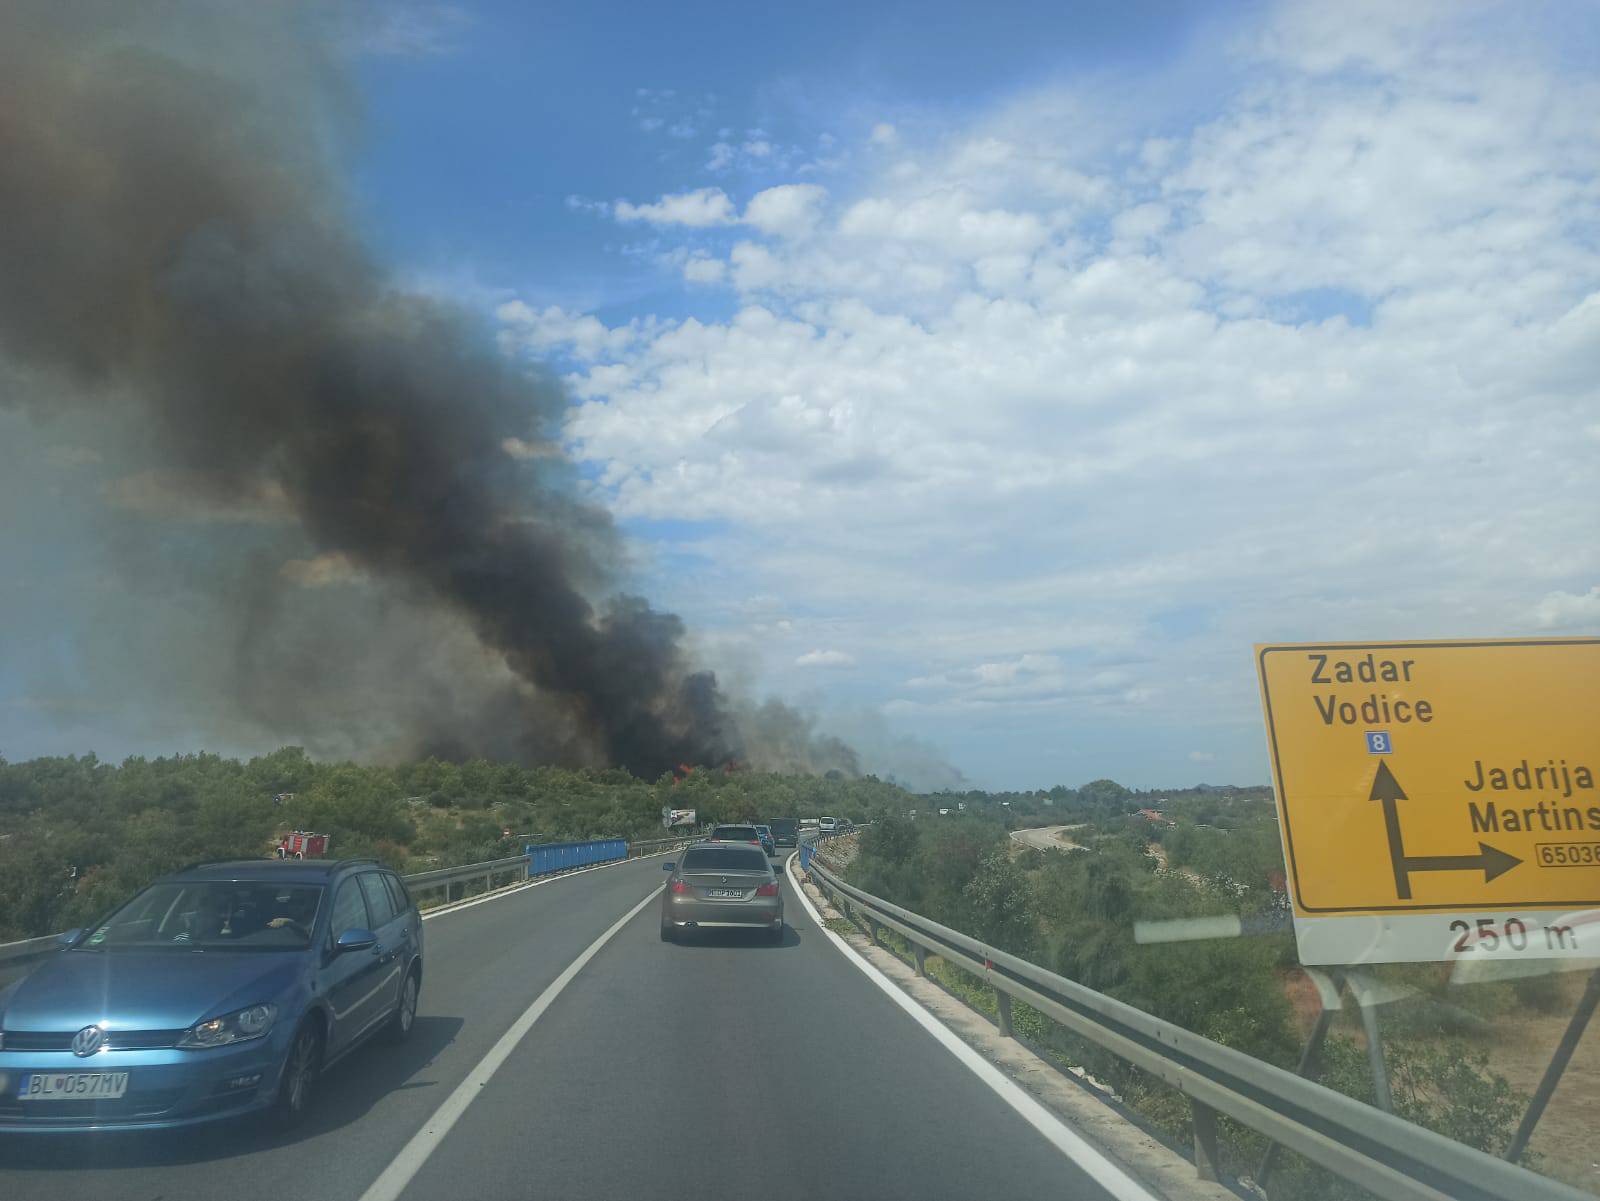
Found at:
[1438, 800]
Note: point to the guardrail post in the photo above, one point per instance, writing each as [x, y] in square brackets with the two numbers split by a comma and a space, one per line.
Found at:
[1558, 1065]
[1206, 1157]
[920, 954]
[1380, 1070]
[1002, 1004]
[872, 930]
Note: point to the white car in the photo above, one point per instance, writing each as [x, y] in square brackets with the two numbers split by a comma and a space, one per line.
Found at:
[828, 825]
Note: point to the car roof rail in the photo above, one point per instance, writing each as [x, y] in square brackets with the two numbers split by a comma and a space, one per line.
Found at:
[330, 864]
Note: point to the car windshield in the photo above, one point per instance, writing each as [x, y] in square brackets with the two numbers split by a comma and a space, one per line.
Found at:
[207, 915]
[724, 859]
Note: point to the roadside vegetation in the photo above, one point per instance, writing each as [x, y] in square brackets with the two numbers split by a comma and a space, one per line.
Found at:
[1183, 854]
[78, 836]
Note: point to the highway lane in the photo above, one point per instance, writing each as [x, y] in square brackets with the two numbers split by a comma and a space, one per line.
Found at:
[721, 1068]
[483, 964]
[729, 1068]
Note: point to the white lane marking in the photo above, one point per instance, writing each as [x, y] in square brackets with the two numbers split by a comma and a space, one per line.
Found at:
[1105, 1172]
[513, 889]
[395, 1178]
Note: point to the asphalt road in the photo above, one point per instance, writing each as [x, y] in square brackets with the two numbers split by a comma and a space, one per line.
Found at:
[723, 1067]
[1048, 838]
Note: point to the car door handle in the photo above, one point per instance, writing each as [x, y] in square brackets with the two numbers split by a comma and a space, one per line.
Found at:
[378, 949]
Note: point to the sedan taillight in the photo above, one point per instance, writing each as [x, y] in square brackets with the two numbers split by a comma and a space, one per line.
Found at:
[680, 886]
[768, 890]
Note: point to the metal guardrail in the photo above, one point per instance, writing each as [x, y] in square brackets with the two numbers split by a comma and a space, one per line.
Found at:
[18, 954]
[652, 845]
[444, 877]
[1386, 1155]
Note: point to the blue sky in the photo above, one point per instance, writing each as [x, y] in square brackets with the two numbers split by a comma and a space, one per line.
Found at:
[484, 119]
[992, 376]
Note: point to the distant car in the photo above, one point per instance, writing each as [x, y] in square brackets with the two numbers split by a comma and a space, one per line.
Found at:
[218, 990]
[809, 825]
[785, 831]
[721, 886]
[829, 825]
[768, 843]
[735, 834]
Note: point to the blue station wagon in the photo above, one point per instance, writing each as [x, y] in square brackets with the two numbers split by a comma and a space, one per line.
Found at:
[221, 989]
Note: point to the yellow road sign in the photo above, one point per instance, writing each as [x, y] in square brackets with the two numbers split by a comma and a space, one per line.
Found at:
[1420, 781]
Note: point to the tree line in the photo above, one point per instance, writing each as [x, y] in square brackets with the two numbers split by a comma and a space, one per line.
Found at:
[79, 836]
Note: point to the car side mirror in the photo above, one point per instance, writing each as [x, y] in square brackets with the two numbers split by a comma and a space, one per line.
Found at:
[667, 867]
[71, 937]
[355, 939]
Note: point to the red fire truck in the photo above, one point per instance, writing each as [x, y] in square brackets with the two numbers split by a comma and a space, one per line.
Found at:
[302, 844]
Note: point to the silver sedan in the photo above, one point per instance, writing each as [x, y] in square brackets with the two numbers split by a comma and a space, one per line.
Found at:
[722, 886]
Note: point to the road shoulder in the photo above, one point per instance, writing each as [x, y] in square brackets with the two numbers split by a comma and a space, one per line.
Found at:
[1160, 1171]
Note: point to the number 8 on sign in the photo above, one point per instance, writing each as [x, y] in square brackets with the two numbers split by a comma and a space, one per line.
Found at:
[1378, 742]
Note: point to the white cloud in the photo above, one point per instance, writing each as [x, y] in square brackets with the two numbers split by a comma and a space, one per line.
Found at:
[821, 658]
[1202, 756]
[1570, 611]
[703, 269]
[698, 209]
[1065, 406]
[1033, 680]
[555, 329]
[786, 211]
[883, 134]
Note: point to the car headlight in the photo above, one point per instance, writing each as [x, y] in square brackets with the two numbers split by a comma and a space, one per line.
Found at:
[240, 1026]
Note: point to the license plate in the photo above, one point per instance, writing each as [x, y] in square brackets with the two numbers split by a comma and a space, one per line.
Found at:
[73, 1086]
[734, 893]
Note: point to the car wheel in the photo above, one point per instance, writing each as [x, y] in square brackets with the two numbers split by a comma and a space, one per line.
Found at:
[299, 1079]
[775, 935]
[405, 1014]
[668, 934]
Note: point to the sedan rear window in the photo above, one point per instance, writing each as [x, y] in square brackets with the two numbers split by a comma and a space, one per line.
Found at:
[742, 833]
[724, 859]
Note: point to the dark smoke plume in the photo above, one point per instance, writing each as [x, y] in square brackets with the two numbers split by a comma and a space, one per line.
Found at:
[177, 256]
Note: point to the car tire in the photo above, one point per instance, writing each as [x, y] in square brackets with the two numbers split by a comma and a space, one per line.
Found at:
[668, 934]
[297, 1084]
[405, 1013]
[775, 935]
